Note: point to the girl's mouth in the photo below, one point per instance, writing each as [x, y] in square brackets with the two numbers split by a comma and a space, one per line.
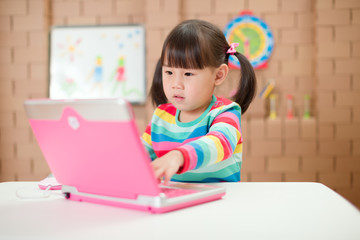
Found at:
[178, 98]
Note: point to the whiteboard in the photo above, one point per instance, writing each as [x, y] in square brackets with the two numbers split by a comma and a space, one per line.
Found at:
[90, 62]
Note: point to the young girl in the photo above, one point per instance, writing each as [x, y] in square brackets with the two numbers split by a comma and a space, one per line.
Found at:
[195, 136]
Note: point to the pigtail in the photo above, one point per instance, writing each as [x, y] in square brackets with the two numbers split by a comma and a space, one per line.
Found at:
[247, 85]
[156, 91]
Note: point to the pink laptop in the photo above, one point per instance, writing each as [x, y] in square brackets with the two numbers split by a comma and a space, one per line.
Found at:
[94, 150]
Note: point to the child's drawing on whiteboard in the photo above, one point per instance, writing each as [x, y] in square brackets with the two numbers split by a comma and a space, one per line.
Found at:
[120, 80]
[96, 75]
[70, 48]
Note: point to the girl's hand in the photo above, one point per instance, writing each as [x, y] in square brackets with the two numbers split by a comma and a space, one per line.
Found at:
[167, 165]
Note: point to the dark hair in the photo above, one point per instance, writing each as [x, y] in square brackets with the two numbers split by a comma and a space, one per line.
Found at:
[197, 44]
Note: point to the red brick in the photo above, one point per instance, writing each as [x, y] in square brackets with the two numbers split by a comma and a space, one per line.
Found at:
[338, 49]
[305, 19]
[123, 19]
[355, 16]
[333, 17]
[257, 129]
[326, 131]
[156, 20]
[38, 39]
[129, 7]
[266, 177]
[334, 82]
[308, 128]
[300, 147]
[325, 67]
[317, 164]
[12, 166]
[264, 5]
[296, 5]
[81, 20]
[38, 71]
[98, 8]
[284, 52]
[7, 150]
[154, 6]
[356, 180]
[14, 135]
[6, 120]
[325, 98]
[351, 194]
[6, 88]
[305, 51]
[324, 4]
[355, 49]
[335, 180]
[38, 7]
[253, 164]
[29, 23]
[356, 148]
[347, 4]
[347, 131]
[347, 164]
[287, 83]
[10, 7]
[30, 55]
[154, 43]
[5, 23]
[13, 39]
[21, 119]
[356, 114]
[41, 167]
[227, 6]
[347, 98]
[305, 84]
[296, 36]
[347, 33]
[283, 164]
[347, 66]
[280, 20]
[334, 148]
[30, 177]
[297, 68]
[356, 82]
[291, 128]
[12, 103]
[324, 34]
[274, 129]
[334, 115]
[65, 8]
[265, 148]
[300, 177]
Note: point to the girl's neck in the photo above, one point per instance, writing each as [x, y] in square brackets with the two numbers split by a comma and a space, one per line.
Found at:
[189, 116]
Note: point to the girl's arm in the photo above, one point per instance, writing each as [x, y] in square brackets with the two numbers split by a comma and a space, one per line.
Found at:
[146, 140]
[219, 144]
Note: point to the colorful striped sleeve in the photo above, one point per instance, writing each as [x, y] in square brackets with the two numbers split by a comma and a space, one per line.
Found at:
[146, 140]
[217, 145]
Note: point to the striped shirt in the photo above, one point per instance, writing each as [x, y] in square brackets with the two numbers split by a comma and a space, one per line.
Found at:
[211, 144]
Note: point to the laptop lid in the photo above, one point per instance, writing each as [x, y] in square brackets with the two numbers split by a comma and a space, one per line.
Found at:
[93, 145]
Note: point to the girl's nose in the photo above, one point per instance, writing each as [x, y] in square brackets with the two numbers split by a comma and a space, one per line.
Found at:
[178, 83]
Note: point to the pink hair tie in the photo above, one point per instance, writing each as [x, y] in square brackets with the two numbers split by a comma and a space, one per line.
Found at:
[232, 49]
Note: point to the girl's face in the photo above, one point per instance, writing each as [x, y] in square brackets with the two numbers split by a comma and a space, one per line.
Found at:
[189, 90]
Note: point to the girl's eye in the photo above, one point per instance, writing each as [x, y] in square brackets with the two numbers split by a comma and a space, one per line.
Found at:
[168, 72]
[188, 74]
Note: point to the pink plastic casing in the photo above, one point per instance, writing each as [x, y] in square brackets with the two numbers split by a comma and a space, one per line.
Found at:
[95, 157]
[148, 208]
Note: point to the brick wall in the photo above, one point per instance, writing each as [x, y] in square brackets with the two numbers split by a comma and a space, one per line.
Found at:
[317, 52]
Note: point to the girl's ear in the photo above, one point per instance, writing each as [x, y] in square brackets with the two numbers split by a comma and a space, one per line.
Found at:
[221, 74]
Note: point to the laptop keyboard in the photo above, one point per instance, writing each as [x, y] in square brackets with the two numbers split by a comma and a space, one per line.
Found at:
[176, 192]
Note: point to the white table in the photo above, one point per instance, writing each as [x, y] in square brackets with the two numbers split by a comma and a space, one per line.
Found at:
[248, 211]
